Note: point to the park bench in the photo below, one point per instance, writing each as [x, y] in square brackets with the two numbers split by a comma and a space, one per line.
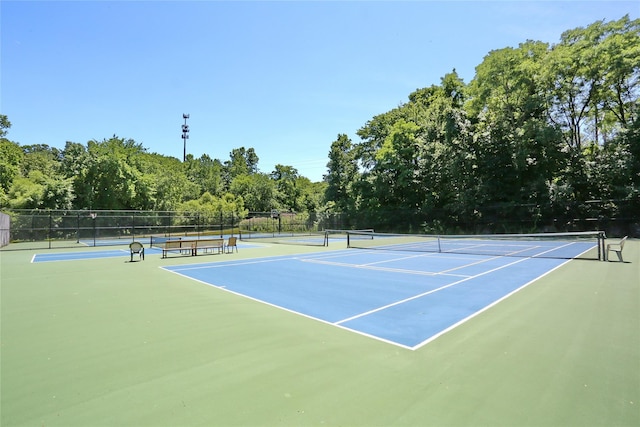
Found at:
[208, 245]
[191, 247]
[617, 248]
[182, 246]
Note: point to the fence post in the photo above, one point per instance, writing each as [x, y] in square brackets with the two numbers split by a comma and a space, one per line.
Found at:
[233, 222]
[93, 220]
[50, 228]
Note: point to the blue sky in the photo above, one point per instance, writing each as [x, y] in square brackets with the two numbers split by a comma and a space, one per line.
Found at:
[282, 77]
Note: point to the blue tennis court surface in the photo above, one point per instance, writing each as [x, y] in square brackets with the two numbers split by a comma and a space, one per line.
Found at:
[406, 299]
[96, 254]
[77, 256]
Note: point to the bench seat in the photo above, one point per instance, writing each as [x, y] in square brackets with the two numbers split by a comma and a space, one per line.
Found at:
[209, 245]
[182, 246]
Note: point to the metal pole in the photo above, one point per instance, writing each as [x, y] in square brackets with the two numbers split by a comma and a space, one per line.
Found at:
[50, 231]
[185, 136]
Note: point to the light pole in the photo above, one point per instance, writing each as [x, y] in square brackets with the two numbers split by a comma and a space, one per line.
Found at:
[185, 136]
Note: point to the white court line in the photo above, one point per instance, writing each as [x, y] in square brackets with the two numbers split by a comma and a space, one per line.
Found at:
[339, 323]
[472, 315]
[389, 269]
[384, 307]
[375, 310]
[371, 266]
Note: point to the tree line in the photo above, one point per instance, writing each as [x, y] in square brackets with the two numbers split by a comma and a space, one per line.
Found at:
[118, 173]
[541, 131]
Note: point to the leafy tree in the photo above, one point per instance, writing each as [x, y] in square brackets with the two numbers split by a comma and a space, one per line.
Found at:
[594, 73]
[5, 124]
[518, 152]
[288, 193]
[242, 162]
[112, 174]
[206, 172]
[42, 158]
[342, 173]
[26, 193]
[209, 208]
[11, 157]
[257, 190]
[312, 194]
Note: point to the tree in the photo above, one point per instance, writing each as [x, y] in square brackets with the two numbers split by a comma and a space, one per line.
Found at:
[206, 172]
[257, 190]
[11, 157]
[5, 125]
[518, 152]
[288, 193]
[342, 173]
[112, 174]
[10, 160]
[242, 162]
[594, 73]
[210, 208]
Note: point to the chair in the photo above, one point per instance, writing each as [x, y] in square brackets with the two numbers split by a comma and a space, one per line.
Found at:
[232, 243]
[136, 248]
[617, 248]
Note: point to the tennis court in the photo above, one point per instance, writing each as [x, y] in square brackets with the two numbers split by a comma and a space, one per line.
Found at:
[56, 256]
[402, 298]
[309, 335]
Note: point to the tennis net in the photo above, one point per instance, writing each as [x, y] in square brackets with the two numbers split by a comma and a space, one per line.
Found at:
[308, 238]
[159, 241]
[579, 245]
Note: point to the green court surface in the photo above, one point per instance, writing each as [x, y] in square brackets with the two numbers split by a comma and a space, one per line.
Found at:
[109, 342]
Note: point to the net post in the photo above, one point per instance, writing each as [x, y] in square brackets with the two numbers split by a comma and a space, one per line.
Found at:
[601, 246]
[439, 247]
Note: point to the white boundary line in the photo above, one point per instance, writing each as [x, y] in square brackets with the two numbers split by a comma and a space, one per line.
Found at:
[340, 322]
[418, 296]
[487, 307]
[224, 288]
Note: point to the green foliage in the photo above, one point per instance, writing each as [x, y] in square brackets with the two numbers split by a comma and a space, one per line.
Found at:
[539, 130]
[5, 124]
[257, 190]
[211, 209]
[11, 156]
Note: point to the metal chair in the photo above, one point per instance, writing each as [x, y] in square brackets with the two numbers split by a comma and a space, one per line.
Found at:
[232, 243]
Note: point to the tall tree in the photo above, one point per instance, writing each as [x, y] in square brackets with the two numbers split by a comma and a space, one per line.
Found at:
[5, 125]
[288, 192]
[257, 190]
[594, 73]
[342, 173]
[112, 174]
[242, 162]
[518, 153]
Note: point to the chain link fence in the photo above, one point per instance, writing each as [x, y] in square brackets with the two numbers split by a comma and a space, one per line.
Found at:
[38, 229]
